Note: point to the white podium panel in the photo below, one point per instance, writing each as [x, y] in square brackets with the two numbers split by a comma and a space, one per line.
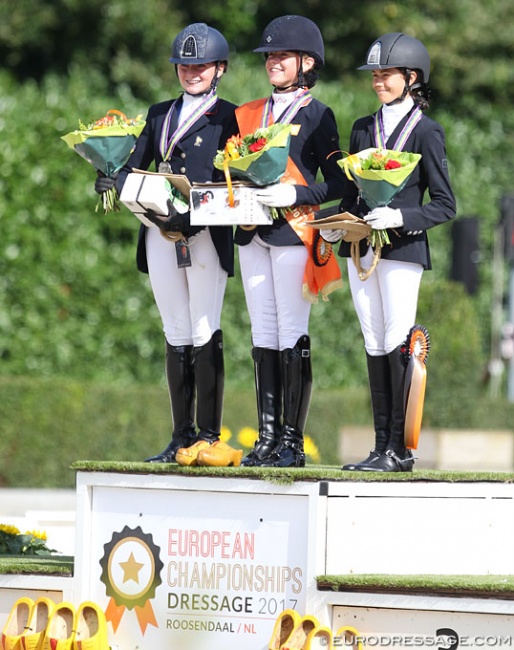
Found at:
[437, 627]
[189, 562]
[420, 528]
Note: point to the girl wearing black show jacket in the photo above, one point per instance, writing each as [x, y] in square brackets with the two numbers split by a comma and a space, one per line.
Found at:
[279, 277]
[182, 136]
[386, 302]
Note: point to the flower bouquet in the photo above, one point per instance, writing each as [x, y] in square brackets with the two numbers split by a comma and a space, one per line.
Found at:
[260, 157]
[106, 143]
[379, 174]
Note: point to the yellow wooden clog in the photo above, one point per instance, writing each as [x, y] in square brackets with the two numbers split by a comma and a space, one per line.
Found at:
[34, 634]
[284, 626]
[16, 623]
[189, 455]
[219, 454]
[60, 630]
[91, 630]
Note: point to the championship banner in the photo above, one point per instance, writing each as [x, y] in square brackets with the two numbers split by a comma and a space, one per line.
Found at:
[194, 568]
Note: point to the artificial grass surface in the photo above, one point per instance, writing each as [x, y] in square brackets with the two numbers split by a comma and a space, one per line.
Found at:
[61, 565]
[289, 475]
[489, 586]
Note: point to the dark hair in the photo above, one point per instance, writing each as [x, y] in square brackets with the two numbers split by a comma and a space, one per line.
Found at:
[419, 91]
[421, 96]
[311, 77]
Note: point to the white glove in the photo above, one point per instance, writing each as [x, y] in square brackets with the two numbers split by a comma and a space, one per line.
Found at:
[332, 235]
[280, 195]
[385, 217]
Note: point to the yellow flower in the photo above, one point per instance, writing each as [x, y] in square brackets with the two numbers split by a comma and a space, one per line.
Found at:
[247, 436]
[39, 534]
[226, 434]
[10, 530]
[232, 148]
[311, 449]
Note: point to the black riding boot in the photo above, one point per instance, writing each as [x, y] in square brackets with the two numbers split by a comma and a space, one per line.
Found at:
[396, 457]
[297, 390]
[268, 388]
[210, 382]
[380, 389]
[180, 374]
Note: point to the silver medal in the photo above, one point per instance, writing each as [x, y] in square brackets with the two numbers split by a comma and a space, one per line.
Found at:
[164, 167]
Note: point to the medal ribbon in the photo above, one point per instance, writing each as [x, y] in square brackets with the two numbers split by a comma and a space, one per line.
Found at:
[302, 99]
[380, 143]
[167, 143]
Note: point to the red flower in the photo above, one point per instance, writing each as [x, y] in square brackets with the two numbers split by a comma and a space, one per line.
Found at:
[392, 164]
[257, 145]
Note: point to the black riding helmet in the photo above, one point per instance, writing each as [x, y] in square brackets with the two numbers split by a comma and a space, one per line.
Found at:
[397, 50]
[295, 34]
[198, 43]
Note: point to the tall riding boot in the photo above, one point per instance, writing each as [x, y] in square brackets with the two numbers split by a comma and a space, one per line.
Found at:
[268, 388]
[210, 382]
[297, 390]
[396, 457]
[180, 374]
[380, 390]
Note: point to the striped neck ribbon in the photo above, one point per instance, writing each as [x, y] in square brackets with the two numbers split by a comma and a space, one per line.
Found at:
[168, 141]
[380, 143]
[302, 99]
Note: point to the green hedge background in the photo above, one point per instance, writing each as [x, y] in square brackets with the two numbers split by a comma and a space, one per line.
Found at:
[81, 347]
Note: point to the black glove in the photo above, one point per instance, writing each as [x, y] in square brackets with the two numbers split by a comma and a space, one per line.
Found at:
[104, 183]
[173, 222]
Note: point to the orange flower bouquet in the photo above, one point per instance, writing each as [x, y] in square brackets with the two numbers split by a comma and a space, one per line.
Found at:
[106, 144]
[260, 157]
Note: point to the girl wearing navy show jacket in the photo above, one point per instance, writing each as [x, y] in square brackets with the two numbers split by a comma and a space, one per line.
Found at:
[279, 275]
[188, 277]
[386, 302]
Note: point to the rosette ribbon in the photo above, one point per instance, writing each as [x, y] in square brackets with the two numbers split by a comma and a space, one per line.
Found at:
[377, 187]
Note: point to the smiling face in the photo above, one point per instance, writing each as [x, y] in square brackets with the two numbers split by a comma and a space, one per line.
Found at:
[389, 84]
[196, 79]
[283, 67]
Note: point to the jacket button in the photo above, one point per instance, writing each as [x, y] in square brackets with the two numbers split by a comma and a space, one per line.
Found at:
[182, 170]
[182, 155]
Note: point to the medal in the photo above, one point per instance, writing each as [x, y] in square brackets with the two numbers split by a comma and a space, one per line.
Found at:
[164, 167]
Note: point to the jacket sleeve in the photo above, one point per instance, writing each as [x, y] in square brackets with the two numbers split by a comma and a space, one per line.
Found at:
[326, 151]
[434, 173]
[350, 201]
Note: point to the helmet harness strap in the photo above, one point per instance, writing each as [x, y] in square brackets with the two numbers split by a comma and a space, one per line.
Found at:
[216, 78]
[300, 82]
[214, 81]
[406, 89]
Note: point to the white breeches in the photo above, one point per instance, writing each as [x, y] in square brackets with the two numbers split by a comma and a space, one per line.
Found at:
[189, 299]
[386, 302]
[272, 281]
